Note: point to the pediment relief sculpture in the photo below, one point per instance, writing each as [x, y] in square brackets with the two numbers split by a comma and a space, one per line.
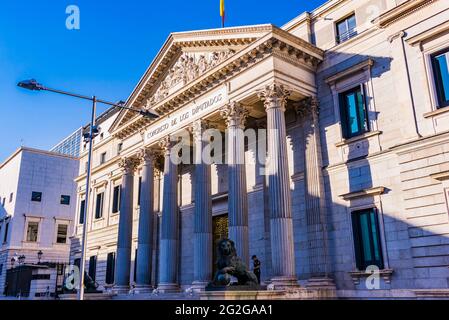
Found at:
[189, 67]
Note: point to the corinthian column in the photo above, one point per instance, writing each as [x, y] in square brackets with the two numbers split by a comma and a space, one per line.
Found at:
[145, 240]
[279, 195]
[170, 223]
[308, 110]
[235, 116]
[124, 242]
[202, 245]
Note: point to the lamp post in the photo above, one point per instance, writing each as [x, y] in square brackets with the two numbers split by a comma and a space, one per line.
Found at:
[39, 256]
[35, 86]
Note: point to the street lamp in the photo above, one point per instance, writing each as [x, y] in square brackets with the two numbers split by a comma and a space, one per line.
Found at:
[36, 86]
[22, 259]
[39, 256]
[13, 261]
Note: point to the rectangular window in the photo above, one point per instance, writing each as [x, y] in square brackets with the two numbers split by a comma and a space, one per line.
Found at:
[110, 268]
[82, 209]
[103, 158]
[1, 269]
[62, 234]
[119, 148]
[99, 206]
[139, 191]
[11, 196]
[86, 165]
[346, 29]
[367, 242]
[5, 238]
[32, 231]
[116, 200]
[36, 196]
[440, 62]
[93, 267]
[65, 200]
[354, 116]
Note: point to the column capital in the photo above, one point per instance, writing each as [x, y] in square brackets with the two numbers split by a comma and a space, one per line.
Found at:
[128, 165]
[166, 144]
[274, 96]
[147, 155]
[234, 114]
[309, 106]
[198, 127]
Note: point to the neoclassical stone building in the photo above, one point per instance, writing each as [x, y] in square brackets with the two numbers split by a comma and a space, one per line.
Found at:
[354, 100]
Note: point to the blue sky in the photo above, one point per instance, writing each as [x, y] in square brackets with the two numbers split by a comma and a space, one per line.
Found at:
[116, 42]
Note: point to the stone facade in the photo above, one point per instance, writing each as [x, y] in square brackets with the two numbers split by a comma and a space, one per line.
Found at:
[296, 213]
[51, 174]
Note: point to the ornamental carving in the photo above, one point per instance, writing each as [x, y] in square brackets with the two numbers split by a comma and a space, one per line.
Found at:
[274, 96]
[198, 127]
[128, 165]
[147, 155]
[188, 68]
[166, 143]
[234, 114]
[307, 107]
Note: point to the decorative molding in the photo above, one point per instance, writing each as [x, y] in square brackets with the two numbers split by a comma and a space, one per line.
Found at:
[366, 64]
[357, 275]
[128, 123]
[428, 34]
[400, 12]
[358, 138]
[441, 176]
[363, 193]
[436, 112]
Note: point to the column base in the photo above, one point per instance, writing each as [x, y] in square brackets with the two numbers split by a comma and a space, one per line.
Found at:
[121, 289]
[168, 288]
[199, 286]
[142, 289]
[321, 283]
[284, 283]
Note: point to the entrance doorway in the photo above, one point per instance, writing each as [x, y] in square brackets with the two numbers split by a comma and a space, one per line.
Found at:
[220, 231]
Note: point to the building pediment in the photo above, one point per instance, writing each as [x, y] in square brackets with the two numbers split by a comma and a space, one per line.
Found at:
[190, 62]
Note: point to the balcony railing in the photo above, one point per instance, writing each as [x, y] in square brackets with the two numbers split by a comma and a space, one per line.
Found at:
[346, 35]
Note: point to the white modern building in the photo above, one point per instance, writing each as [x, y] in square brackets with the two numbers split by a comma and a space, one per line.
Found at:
[38, 200]
[357, 92]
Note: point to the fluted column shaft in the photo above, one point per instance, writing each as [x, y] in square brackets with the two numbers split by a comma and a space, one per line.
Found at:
[124, 243]
[279, 199]
[170, 223]
[308, 109]
[235, 116]
[202, 245]
[146, 218]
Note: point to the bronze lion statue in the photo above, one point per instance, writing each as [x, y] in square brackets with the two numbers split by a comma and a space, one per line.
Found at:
[229, 264]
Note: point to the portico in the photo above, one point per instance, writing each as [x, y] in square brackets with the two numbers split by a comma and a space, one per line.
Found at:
[227, 79]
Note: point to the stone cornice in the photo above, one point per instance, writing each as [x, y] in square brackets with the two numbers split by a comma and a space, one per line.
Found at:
[368, 63]
[429, 34]
[277, 40]
[401, 11]
[363, 193]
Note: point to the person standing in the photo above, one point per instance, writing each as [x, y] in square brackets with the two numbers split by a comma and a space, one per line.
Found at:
[256, 267]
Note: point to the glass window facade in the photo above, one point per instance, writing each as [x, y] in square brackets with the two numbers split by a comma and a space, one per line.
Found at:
[71, 145]
[367, 242]
[354, 116]
[440, 62]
